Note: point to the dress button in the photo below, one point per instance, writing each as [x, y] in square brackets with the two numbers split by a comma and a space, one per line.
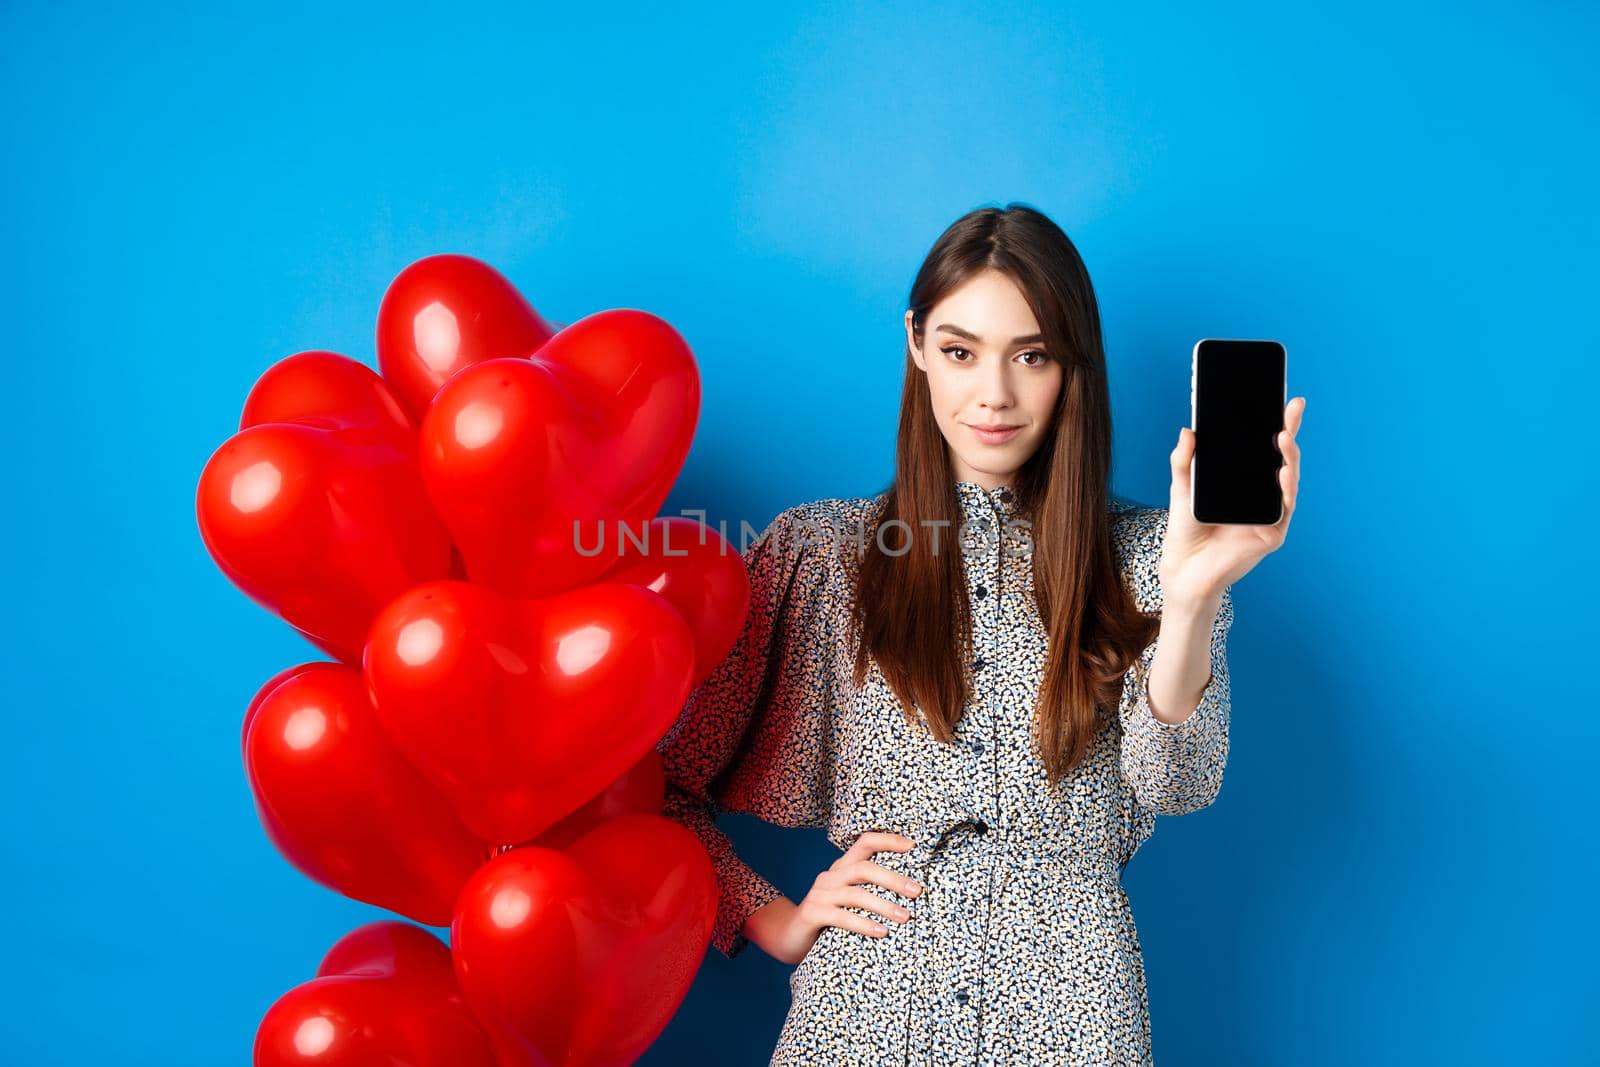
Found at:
[961, 995]
[977, 746]
[977, 664]
[980, 592]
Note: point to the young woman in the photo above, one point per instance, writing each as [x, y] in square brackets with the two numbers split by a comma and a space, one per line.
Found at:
[985, 682]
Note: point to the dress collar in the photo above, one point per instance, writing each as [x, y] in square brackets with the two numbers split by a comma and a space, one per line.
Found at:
[978, 502]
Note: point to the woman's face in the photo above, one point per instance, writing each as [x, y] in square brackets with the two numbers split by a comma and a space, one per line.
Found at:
[986, 367]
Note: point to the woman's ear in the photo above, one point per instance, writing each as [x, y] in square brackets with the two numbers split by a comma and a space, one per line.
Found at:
[911, 345]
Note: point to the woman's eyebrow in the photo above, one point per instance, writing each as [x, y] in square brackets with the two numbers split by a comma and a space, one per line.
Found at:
[959, 332]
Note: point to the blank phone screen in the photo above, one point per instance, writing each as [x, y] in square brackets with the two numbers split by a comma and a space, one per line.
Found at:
[1239, 391]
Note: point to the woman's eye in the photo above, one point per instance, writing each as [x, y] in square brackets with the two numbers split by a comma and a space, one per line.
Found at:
[1039, 357]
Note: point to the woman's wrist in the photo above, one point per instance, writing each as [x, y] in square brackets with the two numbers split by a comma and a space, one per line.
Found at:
[767, 926]
[1198, 609]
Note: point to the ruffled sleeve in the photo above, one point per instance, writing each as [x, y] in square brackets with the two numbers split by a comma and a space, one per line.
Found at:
[754, 737]
[1173, 768]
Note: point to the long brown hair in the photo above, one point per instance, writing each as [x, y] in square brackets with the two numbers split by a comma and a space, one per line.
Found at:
[911, 609]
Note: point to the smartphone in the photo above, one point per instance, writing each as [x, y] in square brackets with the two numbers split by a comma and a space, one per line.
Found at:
[1237, 392]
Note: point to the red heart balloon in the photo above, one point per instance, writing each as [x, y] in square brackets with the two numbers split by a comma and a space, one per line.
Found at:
[640, 790]
[582, 956]
[384, 996]
[341, 804]
[315, 508]
[330, 392]
[699, 573]
[532, 463]
[261, 694]
[520, 711]
[446, 312]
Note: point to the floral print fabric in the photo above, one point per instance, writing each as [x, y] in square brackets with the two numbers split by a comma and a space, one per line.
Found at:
[1022, 947]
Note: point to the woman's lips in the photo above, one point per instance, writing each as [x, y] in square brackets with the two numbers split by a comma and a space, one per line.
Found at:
[994, 437]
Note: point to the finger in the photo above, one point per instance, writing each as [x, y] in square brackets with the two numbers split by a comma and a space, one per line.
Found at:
[878, 841]
[865, 871]
[1291, 425]
[1180, 458]
[1289, 481]
[1289, 469]
[1292, 414]
[854, 896]
[1290, 450]
[1290, 472]
[849, 920]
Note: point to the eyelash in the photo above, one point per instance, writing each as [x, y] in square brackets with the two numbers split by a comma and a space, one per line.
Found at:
[1043, 358]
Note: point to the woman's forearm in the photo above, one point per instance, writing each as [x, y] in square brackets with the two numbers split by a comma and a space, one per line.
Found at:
[1181, 668]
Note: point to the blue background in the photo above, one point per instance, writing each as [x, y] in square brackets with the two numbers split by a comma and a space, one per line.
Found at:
[1401, 864]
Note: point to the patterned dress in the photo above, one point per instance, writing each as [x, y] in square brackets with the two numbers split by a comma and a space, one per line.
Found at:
[1021, 948]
